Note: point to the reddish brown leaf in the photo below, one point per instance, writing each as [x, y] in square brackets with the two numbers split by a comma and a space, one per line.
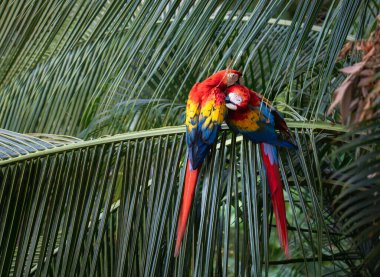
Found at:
[339, 94]
[364, 91]
[358, 96]
[367, 72]
[365, 81]
[353, 68]
[369, 54]
[346, 48]
[345, 104]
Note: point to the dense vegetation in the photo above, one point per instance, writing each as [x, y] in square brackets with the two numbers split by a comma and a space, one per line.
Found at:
[92, 97]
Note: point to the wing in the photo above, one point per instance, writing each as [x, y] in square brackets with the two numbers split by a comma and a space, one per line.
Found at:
[258, 123]
[212, 115]
[193, 109]
[279, 122]
[203, 125]
[246, 120]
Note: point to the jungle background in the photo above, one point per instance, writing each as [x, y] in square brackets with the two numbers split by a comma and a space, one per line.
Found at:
[92, 149]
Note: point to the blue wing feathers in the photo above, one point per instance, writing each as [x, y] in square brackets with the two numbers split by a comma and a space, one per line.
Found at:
[287, 144]
[266, 133]
[267, 112]
[197, 153]
[209, 132]
[199, 141]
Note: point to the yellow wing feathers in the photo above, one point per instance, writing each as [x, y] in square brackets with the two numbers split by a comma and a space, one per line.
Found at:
[192, 115]
[212, 113]
[249, 121]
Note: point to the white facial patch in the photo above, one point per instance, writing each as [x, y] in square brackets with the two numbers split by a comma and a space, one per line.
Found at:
[235, 98]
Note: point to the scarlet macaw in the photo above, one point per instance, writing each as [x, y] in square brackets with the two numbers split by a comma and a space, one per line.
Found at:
[252, 115]
[205, 112]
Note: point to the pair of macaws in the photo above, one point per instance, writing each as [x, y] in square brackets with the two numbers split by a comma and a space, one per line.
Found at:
[220, 98]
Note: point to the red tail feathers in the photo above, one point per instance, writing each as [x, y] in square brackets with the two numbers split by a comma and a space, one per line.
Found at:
[270, 160]
[191, 178]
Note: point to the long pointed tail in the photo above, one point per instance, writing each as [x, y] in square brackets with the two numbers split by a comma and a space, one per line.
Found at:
[270, 159]
[191, 178]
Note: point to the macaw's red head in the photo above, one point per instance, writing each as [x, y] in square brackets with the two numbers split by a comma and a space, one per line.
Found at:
[237, 97]
[223, 78]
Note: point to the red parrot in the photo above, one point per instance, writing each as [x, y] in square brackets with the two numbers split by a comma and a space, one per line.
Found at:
[205, 112]
[251, 115]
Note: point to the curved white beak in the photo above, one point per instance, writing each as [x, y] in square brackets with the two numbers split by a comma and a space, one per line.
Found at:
[231, 106]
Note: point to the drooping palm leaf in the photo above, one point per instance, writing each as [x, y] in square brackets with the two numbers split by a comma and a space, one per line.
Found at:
[14, 144]
[63, 220]
[357, 204]
[76, 65]
[98, 68]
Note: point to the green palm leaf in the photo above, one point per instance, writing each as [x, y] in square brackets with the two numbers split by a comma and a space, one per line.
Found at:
[109, 206]
[357, 202]
[93, 63]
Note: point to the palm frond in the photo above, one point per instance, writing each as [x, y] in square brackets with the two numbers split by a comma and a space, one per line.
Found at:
[357, 204]
[14, 144]
[110, 205]
[88, 58]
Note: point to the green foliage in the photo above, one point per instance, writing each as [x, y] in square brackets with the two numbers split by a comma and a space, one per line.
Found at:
[92, 69]
[108, 206]
[357, 181]
[59, 203]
